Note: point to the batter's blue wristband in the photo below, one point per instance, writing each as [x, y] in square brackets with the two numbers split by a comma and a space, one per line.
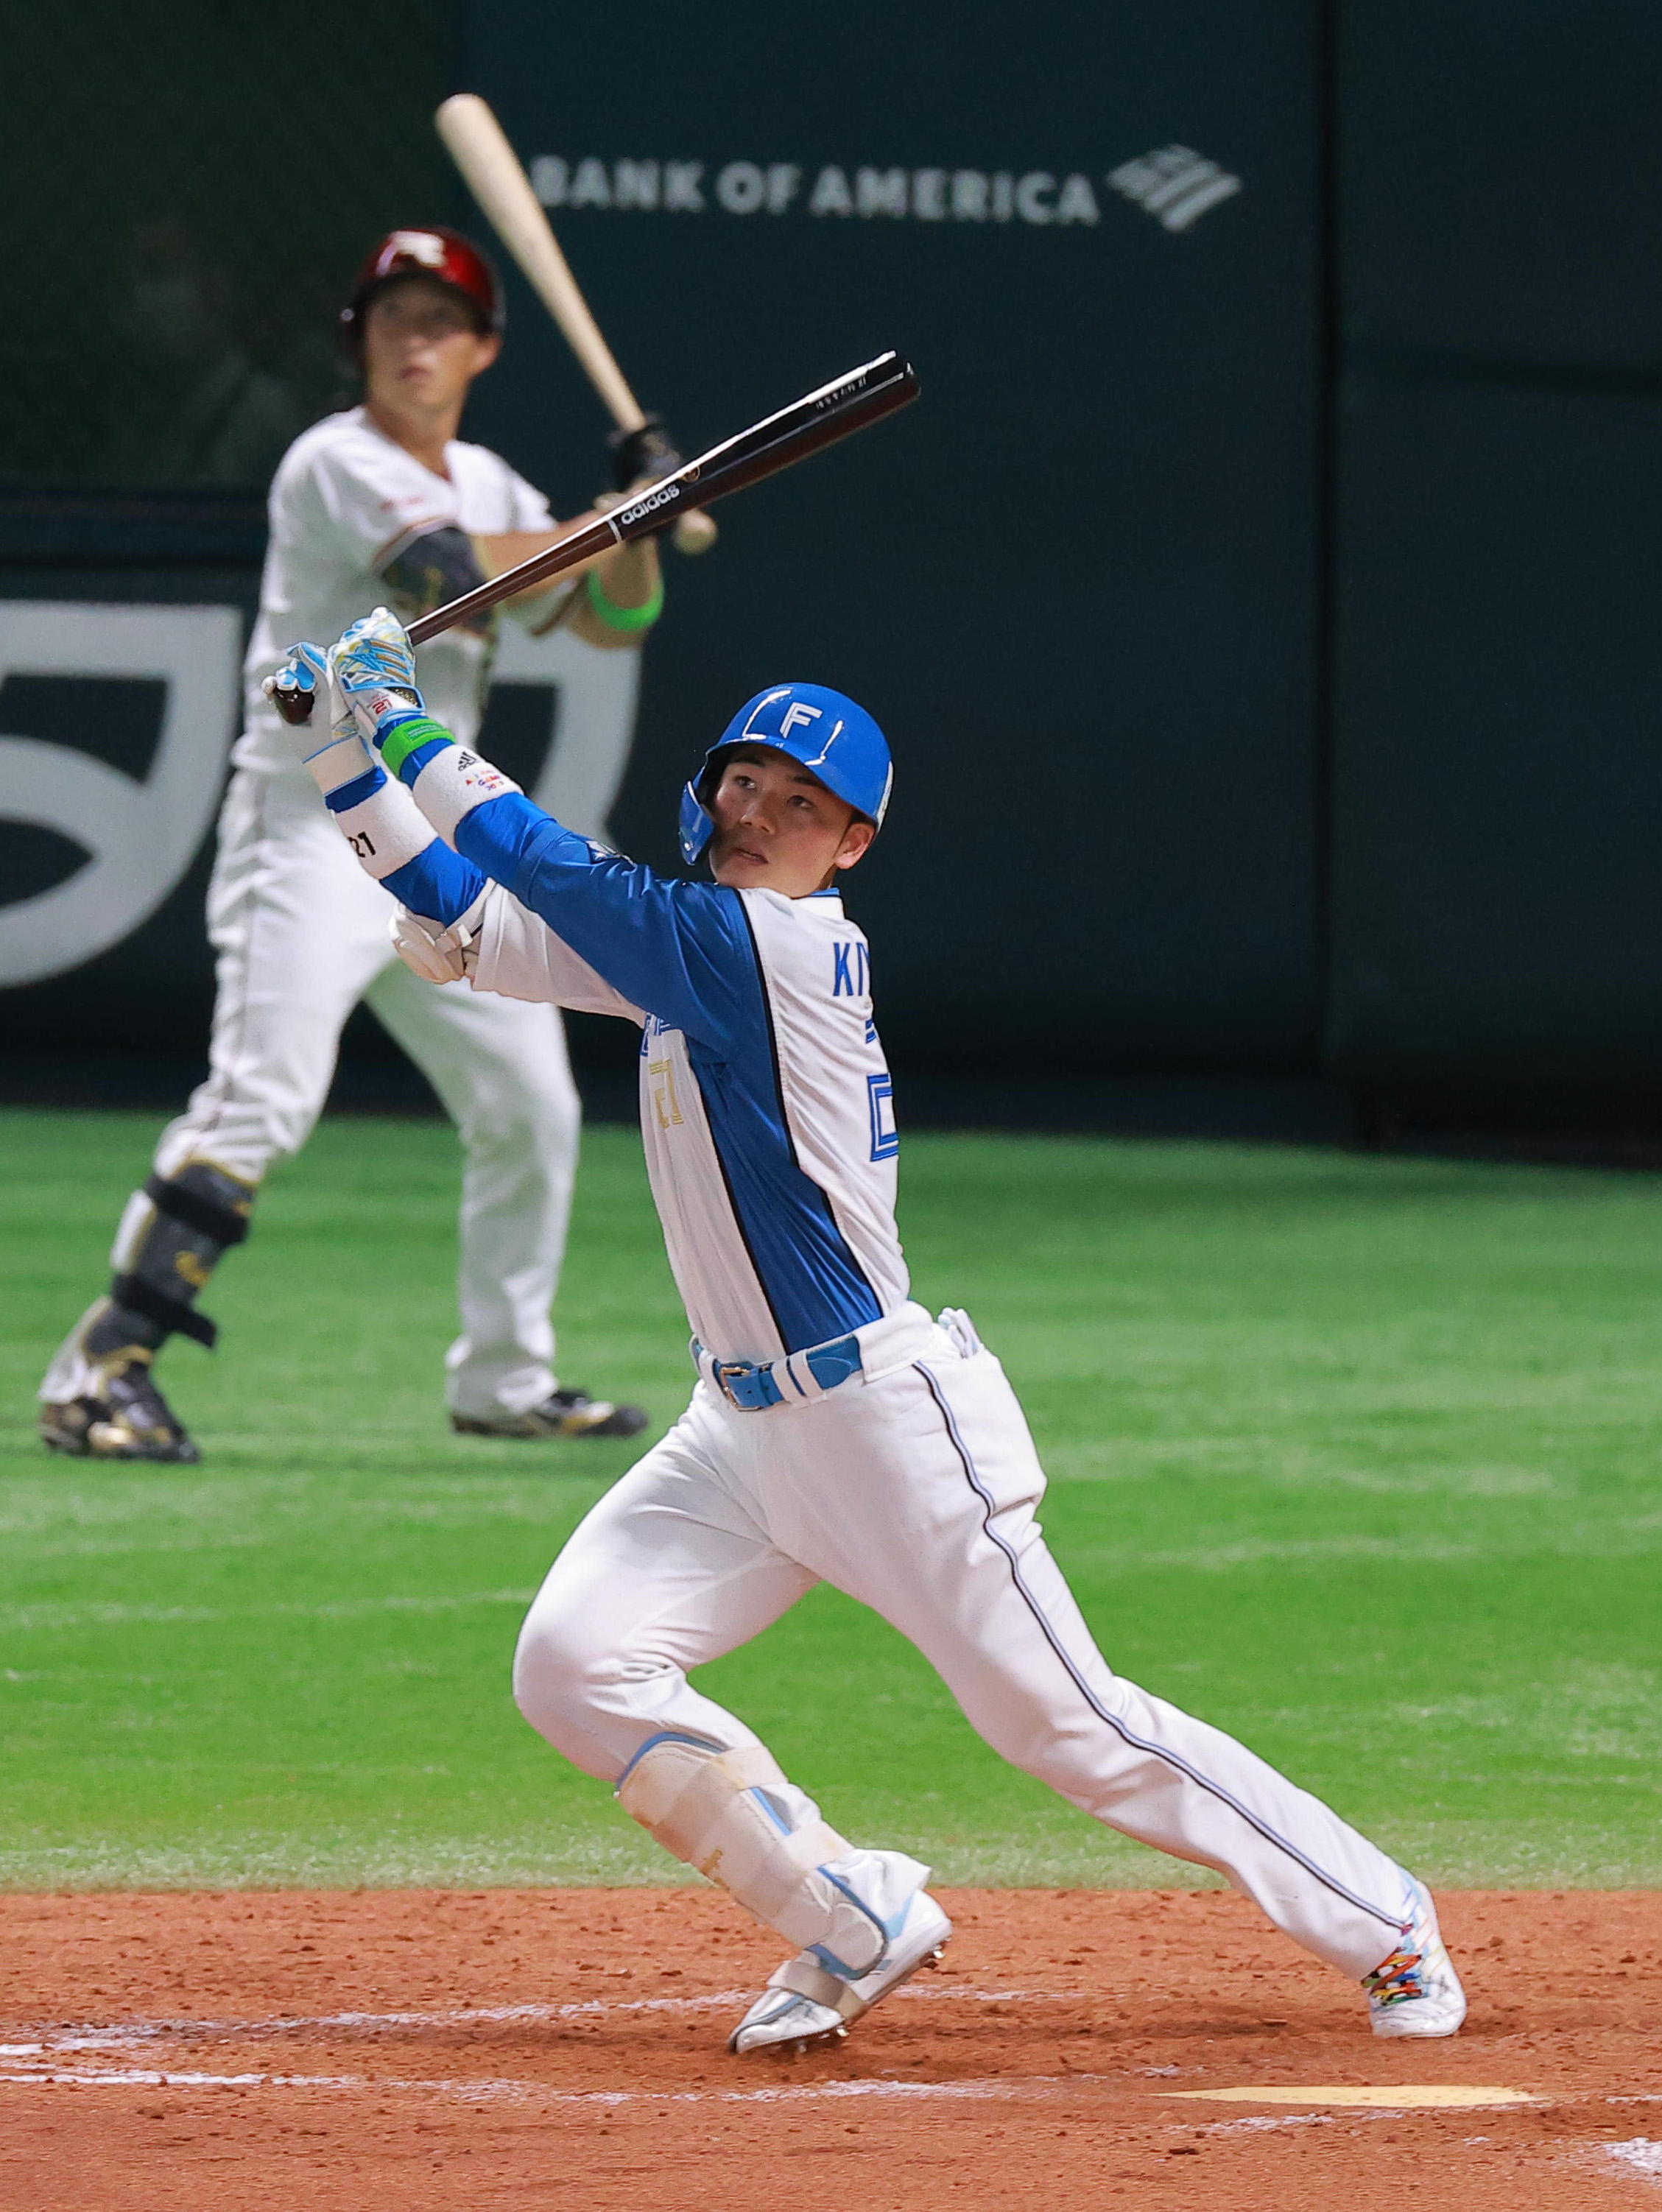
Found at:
[415, 761]
[347, 795]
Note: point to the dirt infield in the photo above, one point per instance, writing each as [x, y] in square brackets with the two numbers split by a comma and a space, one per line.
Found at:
[566, 2048]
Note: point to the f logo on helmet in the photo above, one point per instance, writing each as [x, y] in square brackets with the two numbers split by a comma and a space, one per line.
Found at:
[859, 775]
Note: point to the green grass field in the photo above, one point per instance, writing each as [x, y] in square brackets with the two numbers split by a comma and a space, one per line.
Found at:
[1356, 1458]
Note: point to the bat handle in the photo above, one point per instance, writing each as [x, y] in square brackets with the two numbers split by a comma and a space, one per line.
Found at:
[295, 706]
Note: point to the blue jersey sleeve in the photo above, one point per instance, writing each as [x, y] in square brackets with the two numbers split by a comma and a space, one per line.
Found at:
[679, 950]
[438, 884]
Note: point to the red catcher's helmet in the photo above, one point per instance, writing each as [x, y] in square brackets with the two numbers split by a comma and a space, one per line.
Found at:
[437, 252]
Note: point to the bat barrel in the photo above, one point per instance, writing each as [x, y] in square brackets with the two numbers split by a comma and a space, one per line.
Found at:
[821, 419]
[834, 412]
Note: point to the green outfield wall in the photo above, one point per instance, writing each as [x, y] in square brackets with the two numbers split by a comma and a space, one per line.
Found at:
[1496, 912]
[1259, 602]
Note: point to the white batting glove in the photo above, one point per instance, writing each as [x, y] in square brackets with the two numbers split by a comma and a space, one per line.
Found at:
[330, 744]
[374, 666]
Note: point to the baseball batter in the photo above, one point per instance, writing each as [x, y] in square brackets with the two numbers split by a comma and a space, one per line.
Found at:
[382, 498]
[836, 1431]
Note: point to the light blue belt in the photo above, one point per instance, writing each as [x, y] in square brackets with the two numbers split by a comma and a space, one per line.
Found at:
[754, 1387]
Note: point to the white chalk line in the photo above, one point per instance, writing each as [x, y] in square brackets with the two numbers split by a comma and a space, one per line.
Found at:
[120, 2034]
[140, 2077]
[117, 2035]
[53, 2046]
[530, 2092]
[1640, 2153]
[1263, 2122]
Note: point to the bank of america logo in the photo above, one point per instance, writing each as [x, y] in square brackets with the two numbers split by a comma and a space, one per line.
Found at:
[1177, 184]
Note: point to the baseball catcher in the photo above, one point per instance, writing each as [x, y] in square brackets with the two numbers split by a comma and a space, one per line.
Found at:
[383, 500]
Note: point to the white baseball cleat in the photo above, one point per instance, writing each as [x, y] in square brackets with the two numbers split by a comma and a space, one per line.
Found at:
[806, 2003]
[1416, 1991]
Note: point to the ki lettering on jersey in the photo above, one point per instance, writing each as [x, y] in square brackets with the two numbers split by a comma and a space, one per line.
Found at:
[851, 973]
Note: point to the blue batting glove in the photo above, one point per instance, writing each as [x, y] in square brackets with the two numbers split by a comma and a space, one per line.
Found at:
[374, 667]
[330, 745]
[300, 676]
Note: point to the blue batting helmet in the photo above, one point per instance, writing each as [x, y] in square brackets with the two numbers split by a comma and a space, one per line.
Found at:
[823, 730]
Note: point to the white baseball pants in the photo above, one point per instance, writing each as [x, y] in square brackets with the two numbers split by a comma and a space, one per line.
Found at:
[301, 935]
[912, 1488]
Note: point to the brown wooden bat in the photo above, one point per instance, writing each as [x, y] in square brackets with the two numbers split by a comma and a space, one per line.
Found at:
[819, 418]
[480, 148]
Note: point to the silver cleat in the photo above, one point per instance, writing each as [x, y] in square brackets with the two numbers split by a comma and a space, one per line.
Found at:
[806, 2007]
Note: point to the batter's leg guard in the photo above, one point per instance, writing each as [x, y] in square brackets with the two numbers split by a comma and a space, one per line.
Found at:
[735, 1816]
[171, 1239]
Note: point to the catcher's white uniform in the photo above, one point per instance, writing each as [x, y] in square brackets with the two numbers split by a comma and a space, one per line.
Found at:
[301, 935]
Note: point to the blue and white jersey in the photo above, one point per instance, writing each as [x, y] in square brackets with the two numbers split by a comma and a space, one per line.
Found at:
[766, 1107]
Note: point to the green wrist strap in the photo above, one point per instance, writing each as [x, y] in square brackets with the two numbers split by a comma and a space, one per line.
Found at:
[628, 618]
[409, 737]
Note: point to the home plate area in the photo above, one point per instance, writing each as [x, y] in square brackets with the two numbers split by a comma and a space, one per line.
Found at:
[568, 2047]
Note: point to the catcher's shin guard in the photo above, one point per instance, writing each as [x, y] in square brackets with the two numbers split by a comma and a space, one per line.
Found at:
[734, 1815]
[171, 1237]
[106, 1405]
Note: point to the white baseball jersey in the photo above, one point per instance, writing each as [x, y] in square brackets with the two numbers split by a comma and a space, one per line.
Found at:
[766, 1107]
[356, 519]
